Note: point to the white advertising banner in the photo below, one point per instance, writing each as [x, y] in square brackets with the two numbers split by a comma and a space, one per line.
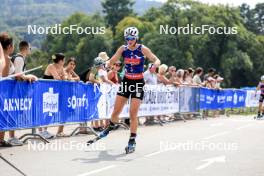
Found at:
[158, 100]
[252, 99]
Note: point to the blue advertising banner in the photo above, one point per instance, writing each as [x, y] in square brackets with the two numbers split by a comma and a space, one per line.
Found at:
[50, 102]
[221, 99]
[26, 105]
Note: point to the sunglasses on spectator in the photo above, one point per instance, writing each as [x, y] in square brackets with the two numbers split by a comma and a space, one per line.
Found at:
[130, 38]
[119, 65]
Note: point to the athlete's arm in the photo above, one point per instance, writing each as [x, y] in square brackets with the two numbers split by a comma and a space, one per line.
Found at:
[152, 57]
[115, 57]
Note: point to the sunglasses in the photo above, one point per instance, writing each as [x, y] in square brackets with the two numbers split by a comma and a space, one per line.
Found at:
[119, 65]
[130, 38]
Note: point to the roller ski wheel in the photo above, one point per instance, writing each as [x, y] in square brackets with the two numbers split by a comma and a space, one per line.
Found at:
[258, 117]
[130, 148]
[90, 142]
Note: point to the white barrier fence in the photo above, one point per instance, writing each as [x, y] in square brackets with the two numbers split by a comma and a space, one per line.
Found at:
[158, 100]
[161, 100]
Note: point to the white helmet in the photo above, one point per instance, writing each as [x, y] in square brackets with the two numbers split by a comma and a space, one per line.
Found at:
[131, 31]
[262, 78]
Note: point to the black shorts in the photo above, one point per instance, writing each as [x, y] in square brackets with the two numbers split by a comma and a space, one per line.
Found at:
[131, 88]
[261, 98]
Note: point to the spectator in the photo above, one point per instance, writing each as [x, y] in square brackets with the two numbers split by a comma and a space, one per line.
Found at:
[162, 75]
[211, 72]
[69, 70]
[210, 82]
[171, 72]
[197, 77]
[179, 77]
[113, 74]
[19, 61]
[2, 59]
[162, 80]
[150, 75]
[102, 73]
[218, 80]
[19, 66]
[55, 71]
[8, 48]
[188, 76]
[99, 64]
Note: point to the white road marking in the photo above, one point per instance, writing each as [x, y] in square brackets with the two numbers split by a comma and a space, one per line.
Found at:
[216, 135]
[242, 120]
[216, 124]
[245, 126]
[210, 161]
[97, 170]
[154, 153]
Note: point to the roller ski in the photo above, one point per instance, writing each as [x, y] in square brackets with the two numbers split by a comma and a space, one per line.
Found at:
[259, 117]
[131, 147]
[105, 132]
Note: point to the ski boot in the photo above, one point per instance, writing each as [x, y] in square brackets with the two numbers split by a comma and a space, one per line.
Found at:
[131, 147]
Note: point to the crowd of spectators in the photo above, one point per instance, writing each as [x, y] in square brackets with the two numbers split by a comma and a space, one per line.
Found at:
[61, 68]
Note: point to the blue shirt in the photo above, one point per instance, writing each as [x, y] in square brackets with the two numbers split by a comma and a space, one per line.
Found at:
[133, 60]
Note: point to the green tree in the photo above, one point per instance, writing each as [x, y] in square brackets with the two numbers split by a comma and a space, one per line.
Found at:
[115, 11]
[143, 27]
[85, 47]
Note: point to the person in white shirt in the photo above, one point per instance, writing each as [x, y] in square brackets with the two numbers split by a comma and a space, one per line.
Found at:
[99, 125]
[19, 62]
[150, 76]
[197, 77]
[18, 66]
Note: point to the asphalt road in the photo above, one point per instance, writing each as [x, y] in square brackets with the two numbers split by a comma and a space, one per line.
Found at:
[217, 146]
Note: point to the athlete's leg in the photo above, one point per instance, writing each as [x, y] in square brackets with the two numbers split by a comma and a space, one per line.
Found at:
[134, 107]
[260, 106]
[260, 109]
[119, 105]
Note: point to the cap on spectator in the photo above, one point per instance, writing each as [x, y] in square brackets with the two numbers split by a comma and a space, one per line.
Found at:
[190, 70]
[219, 78]
[103, 55]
